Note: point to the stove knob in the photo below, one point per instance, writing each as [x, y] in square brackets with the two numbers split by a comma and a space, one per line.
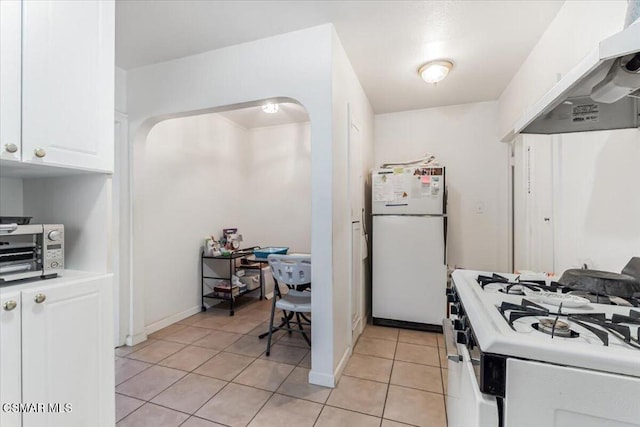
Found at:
[458, 309]
[452, 297]
[460, 324]
[455, 308]
[464, 337]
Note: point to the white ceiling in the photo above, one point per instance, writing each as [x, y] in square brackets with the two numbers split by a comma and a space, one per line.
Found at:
[386, 41]
[254, 117]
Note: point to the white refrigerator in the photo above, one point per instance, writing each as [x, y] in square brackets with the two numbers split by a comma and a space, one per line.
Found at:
[409, 247]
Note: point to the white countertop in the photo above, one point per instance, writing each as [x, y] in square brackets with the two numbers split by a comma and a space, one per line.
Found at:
[65, 277]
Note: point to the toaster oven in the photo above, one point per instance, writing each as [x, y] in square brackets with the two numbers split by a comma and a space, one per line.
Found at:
[28, 251]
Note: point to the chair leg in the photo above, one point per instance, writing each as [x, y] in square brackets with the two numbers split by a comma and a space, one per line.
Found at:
[273, 312]
[306, 338]
[288, 317]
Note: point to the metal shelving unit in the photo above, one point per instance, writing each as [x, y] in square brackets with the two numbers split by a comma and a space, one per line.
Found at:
[236, 260]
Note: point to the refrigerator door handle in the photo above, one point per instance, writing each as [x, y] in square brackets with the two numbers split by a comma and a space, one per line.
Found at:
[420, 215]
[444, 225]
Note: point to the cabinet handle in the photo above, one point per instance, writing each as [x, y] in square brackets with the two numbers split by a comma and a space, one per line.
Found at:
[39, 152]
[39, 299]
[11, 148]
[10, 305]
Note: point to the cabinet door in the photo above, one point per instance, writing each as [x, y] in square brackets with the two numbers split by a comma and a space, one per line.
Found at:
[67, 354]
[68, 83]
[10, 28]
[10, 382]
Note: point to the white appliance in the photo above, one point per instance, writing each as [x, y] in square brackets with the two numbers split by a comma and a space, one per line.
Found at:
[508, 368]
[409, 246]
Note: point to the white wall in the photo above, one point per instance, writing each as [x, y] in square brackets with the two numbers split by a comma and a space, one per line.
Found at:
[597, 180]
[80, 202]
[295, 65]
[121, 213]
[594, 194]
[575, 31]
[11, 196]
[83, 204]
[347, 96]
[205, 173]
[276, 197]
[120, 90]
[464, 139]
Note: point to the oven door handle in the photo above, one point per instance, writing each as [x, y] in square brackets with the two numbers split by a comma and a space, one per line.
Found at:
[450, 343]
[8, 228]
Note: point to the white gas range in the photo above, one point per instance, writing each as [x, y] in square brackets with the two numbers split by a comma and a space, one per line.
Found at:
[515, 361]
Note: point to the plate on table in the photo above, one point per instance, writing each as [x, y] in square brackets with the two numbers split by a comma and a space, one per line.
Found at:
[556, 298]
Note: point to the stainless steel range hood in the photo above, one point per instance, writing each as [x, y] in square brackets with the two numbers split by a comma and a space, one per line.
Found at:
[582, 100]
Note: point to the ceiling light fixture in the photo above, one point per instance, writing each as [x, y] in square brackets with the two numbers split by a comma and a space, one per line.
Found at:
[435, 71]
[270, 108]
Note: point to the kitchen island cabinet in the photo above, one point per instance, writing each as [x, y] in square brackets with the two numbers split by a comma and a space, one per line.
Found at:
[64, 359]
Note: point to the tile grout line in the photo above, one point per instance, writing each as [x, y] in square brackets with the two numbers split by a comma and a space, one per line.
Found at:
[397, 385]
[386, 396]
[186, 373]
[273, 393]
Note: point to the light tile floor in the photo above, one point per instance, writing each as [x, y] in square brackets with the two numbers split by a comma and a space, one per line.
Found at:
[211, 370]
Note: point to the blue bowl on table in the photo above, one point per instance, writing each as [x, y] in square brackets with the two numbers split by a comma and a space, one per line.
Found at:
[265, 252]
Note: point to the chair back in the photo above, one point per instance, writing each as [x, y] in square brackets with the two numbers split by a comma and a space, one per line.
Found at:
[292, 270]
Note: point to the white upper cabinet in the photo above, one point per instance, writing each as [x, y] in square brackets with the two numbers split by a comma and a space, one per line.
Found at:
[10, 28]
[68, 83]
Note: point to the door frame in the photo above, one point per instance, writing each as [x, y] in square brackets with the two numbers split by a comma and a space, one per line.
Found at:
[355, 327]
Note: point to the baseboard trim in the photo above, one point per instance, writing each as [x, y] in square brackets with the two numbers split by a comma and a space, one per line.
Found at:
[156, 326]
[357, 330]
[325, 380]
[342, 364]
[407, 325]
[328, 380]
[132, 340]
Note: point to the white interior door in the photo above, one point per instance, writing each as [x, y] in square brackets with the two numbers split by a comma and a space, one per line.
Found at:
[356, 281]
[534, 207]
[356, 200]
[356, 179]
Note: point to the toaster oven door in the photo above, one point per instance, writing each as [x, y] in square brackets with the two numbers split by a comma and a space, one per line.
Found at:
[20, 251]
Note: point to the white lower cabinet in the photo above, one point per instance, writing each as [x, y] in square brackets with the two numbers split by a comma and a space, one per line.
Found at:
[10, 357]
[66, 355]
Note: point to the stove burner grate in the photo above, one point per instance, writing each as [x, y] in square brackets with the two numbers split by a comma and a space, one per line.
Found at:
[556, 328]
[596, 323]
[516, 287]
